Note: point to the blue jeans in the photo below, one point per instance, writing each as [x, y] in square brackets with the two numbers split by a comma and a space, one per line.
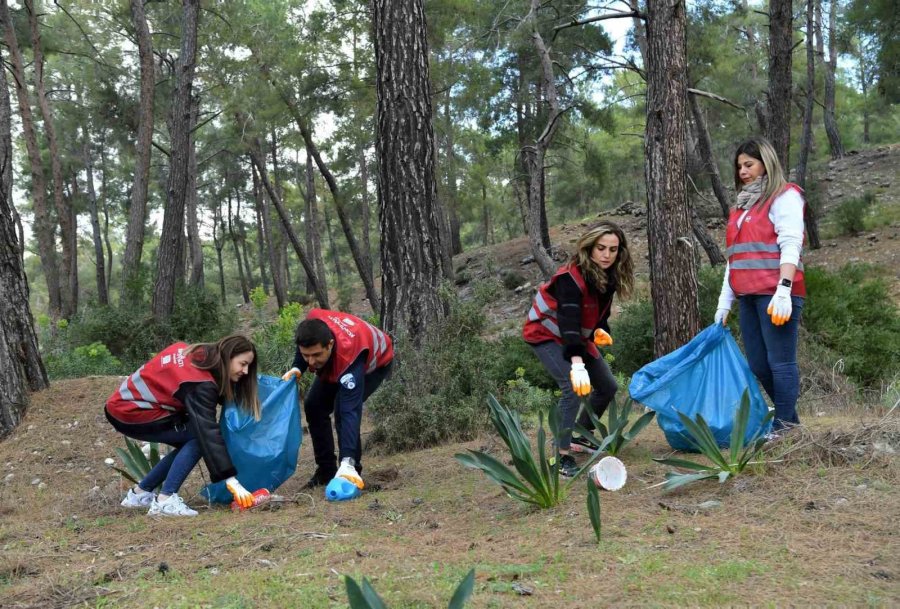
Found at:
[173, 469]
[603, 388]
[772, 354]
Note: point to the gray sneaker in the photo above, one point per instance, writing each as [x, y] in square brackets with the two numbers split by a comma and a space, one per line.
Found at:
[173, 505]
[138, 500]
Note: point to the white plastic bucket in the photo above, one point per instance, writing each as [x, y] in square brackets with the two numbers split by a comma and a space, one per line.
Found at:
[609, 473]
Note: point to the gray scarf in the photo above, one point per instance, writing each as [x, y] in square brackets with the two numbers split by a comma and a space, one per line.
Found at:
[751, 193]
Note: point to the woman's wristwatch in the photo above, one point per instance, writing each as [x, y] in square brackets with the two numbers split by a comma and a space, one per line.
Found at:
[786, 282]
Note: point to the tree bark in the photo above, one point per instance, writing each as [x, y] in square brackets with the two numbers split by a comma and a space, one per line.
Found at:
[713, 253]
[195, 245]
[99, 258]
[314, 224]
[65, 214]
[263, 207]
[44, 226]
[104, 198]
[414, 259]
[245, 289]
[256, 156]
[673, 277]
[452, 189]
[831, 127]
[704, 142]
[137, 211]
[365, 211]
[335, 256]
[806, 135]
[261, 243]
[218, 237]
[779, 93]
[171, 238]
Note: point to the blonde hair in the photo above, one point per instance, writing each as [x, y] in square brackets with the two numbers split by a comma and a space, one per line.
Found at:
[622, 268]
[216, 358]
[760, 149]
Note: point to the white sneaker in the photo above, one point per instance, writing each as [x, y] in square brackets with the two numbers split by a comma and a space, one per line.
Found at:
[347, 470]
[138, 500]
[173, 505]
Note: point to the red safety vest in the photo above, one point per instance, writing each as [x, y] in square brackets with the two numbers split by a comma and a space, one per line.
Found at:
[149, 393]
[541, 324]
[754, 258]
[352, 336]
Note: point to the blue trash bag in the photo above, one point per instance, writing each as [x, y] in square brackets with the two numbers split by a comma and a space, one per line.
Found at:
[707, 376]
[264, 452]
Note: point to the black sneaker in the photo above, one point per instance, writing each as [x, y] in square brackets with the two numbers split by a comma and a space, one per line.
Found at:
[320, 478]
[567, 466]
[580, 444]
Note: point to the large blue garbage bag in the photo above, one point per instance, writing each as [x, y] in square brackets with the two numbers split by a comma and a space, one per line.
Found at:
[264, 452]
[706, 376]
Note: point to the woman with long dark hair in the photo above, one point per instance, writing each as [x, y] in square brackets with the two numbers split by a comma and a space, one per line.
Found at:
[172, 399]
[570, 313]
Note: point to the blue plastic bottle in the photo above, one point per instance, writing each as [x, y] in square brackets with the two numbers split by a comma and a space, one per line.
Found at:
[341, 489]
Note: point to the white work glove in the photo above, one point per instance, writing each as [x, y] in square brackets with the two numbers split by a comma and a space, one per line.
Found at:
[242, 496]
[581, 382]
[347, 470]
[780, 305]
[292, 373]
[722, 316]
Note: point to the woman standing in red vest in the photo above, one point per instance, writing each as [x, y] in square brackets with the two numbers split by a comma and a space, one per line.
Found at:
[765, 273]
[172, 400]
[568, 320]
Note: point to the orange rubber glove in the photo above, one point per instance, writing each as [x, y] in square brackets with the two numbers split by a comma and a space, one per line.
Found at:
[602, 338]
[242, 496]
[292, 373]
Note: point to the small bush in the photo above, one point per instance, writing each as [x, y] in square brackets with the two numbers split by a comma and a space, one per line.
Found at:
[87, 360]
[849, 216]
[275, 342]
[524, 397]
[632, 333]
[855, 316]
[505, 357]
[511, 280]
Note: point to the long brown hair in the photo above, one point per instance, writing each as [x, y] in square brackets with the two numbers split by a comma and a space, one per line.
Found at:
[622, 269]
[760, 149]
[216, 358]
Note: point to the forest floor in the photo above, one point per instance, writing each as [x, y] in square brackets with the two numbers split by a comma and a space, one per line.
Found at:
[818, 528]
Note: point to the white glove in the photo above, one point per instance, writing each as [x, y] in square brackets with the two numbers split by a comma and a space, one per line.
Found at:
[722, 316]
[292, 373]
[780, 305]
[347, 470]
[581, 382]
[242, 496]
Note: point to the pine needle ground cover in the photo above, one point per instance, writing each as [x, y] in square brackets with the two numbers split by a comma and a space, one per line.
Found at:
[818, 529]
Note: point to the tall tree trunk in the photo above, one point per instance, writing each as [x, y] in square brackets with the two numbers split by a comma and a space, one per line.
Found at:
[314, 225]
[831, 127]
[256, 156]
[263, 207]
[709, 245]
[779, 93]
[218, 237]
[65, 215]
[452, 190]
[6, 161]
[195, 245]
[171, 240]
[673, 278]
[535, 153]
[245, 289]
[413, 258]
[812, 225]
[261, 244]
[335, 256]
[137, 211]
[704, 142]
[99, 258]
[365, 211]
[105, 199]
[44, 225]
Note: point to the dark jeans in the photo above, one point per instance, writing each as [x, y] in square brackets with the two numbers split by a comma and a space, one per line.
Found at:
[173, 469]
[772, 354]
[345, 400]
[603, 388]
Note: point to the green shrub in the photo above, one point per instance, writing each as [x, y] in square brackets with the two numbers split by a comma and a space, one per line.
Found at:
[275, 342]
[511, 280]
[503, 359]
[854, 315]
[525, 397]
[632, 333]
[849, 217]
[87, 360]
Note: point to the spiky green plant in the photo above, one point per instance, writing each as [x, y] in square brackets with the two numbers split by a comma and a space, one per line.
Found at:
[535, 479]
[725, 465]
[137, 465]
[615, 437]
[365, 597]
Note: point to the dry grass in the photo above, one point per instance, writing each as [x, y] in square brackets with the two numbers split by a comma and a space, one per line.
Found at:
[818, 529]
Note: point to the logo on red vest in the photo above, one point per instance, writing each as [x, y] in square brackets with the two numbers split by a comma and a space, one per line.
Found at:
[348, 381]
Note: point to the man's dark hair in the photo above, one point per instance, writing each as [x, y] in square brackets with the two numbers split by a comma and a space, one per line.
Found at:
[312, 332]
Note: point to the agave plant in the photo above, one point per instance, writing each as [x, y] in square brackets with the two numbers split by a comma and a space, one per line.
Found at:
[593, 507]
[365, 597]
[137, 464]
[535, 479]
[614, 438]
[725, 465]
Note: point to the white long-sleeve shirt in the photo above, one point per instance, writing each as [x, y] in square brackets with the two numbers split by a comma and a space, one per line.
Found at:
[786, 214]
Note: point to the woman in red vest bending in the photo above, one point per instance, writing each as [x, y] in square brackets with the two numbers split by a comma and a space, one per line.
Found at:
[765, 273]
[172, 399]
[569, 315]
